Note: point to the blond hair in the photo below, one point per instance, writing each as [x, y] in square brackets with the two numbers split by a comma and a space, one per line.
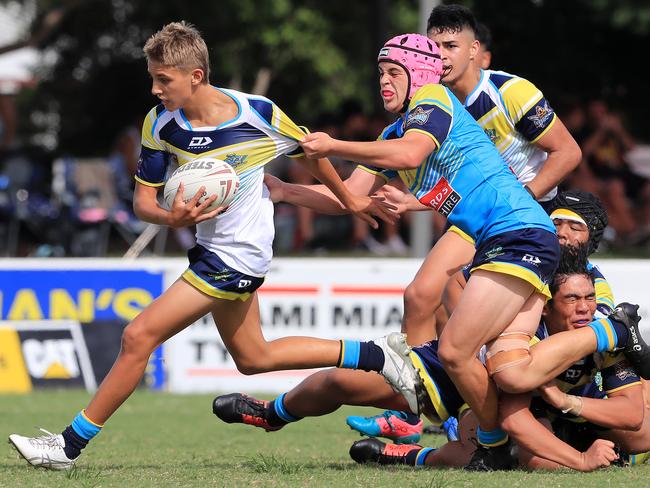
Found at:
[179, 45]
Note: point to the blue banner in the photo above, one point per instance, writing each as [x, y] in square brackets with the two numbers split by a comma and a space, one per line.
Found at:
[102, 300]
[84, 295]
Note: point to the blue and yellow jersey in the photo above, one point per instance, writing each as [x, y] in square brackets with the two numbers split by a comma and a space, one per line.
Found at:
[615, 370]
[514, 114]
[242, 235]
[604, 295]
[464, 178]
[595, 376]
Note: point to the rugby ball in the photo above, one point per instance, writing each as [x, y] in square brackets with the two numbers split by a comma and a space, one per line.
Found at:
[218, 178]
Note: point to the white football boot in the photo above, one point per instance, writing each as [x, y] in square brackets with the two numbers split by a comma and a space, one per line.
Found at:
[398, 370]
[45, 451]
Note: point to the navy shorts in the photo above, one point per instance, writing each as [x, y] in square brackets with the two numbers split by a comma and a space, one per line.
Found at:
[531, 254]
[442, 392]
[209, 274]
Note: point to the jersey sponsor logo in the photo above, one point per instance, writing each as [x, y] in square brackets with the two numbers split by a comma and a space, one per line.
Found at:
[529, 258]
[418, 116]
[442, 197]
[199, 141]
[244, 283]
[542, 114]
[235, 159]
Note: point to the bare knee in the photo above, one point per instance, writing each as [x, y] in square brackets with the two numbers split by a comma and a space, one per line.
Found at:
[137, 340]
[512, 381]
[420, 299]
[253, 362]
[335, 381]
[451, 357]
[250, 366]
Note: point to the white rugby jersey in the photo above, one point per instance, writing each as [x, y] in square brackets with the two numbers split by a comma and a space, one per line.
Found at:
[242, 236]
[514, 114]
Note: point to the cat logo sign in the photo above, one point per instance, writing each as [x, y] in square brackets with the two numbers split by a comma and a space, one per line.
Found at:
[51, 358]
[43, 354]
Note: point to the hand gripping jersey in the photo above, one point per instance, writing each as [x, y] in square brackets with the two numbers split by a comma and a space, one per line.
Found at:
[464, 178]
[242, 236]
[514, 115]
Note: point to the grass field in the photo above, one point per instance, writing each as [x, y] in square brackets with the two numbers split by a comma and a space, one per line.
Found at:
[169, 440]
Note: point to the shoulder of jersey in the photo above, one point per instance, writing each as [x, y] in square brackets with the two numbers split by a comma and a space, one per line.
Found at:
[434, 90]
[500, 79]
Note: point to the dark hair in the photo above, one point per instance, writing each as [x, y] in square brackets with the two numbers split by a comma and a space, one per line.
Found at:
[589, 207]
[452, 18]
[573, 261]
[484, 36]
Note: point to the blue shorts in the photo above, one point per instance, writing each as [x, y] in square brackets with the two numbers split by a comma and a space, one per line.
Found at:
[445, 399]
[210, 275]
[531, 254]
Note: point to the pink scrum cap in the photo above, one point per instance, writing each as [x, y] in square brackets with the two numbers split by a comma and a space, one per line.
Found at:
[418, 55]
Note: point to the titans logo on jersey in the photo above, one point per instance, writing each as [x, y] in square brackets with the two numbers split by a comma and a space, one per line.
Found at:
[242, 235]
[514, 114]
[464, 177]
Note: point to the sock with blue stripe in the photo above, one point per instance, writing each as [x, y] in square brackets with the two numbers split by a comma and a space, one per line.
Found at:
[78, 434]
[278, 414]
[418, 457]
[491, 438]
[367, 356]
[609, 334]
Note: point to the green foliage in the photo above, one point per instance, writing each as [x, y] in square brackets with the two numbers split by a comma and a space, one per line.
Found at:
[311, 56]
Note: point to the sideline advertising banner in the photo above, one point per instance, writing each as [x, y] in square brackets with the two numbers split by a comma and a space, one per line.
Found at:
[94, 298]
[327, 297]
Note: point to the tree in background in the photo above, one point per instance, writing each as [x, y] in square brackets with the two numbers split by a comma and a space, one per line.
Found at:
[307, 55]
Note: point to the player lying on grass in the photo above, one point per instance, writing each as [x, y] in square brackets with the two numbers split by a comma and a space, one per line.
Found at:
[325, 391]
[449, 164]
[580, 410]
[620, 410]
[580, 219]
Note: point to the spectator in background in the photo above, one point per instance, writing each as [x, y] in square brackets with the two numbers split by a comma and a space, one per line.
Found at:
[7, 121]
[357, 126]
[627, 195]
[484, 37]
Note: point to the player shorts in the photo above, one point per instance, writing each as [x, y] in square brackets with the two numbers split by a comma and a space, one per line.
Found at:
[445, 400]
[531, 254]
[210, 275]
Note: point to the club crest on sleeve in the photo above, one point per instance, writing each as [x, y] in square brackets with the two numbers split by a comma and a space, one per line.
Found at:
[624, 371]
[542, 114]
[418, 116]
